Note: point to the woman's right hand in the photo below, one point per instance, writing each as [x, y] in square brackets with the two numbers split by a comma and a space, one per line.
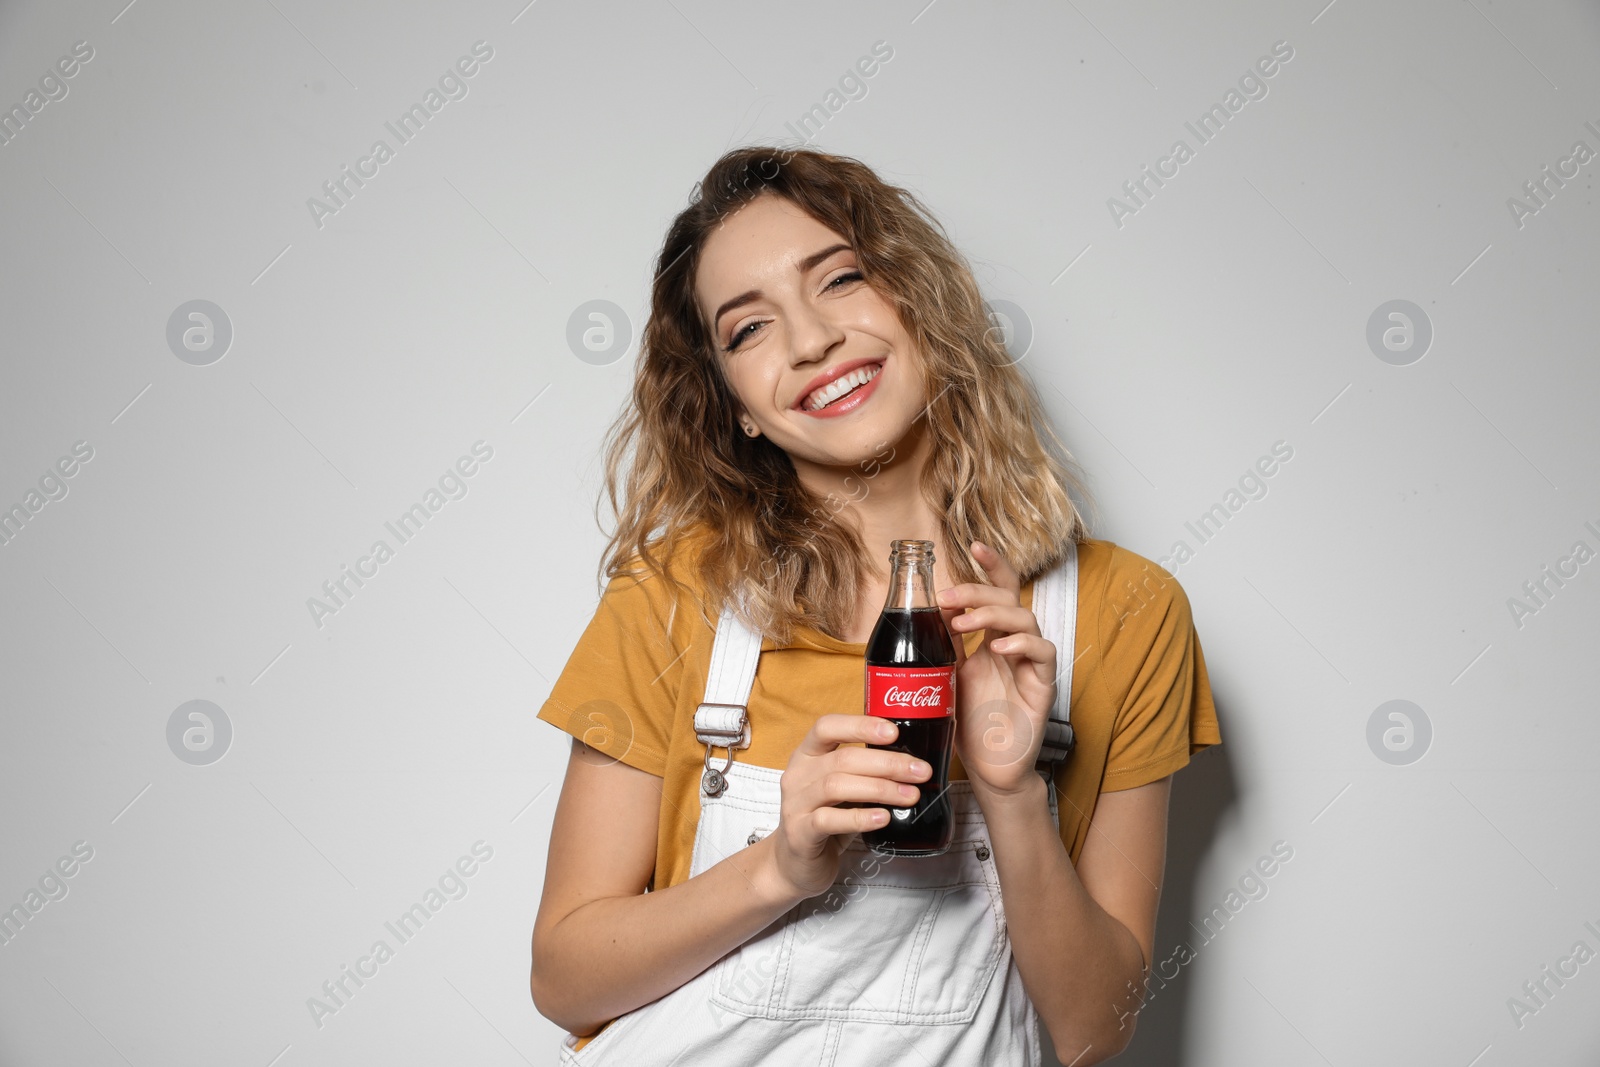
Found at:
[812, 829]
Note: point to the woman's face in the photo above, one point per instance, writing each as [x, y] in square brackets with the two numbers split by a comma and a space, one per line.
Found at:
[787, 306]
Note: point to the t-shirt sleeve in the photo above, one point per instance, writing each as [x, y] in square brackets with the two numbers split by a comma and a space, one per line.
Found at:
[1156, 672]
[618, 690]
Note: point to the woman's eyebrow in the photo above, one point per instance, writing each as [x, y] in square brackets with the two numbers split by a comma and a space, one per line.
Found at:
[805, 266]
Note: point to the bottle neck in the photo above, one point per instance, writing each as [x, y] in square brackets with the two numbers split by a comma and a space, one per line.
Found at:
[910, 576]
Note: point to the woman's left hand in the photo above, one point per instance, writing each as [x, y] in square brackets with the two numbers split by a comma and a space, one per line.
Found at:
[1004, 689]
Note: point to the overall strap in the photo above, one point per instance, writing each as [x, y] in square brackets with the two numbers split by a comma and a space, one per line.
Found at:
[723, 718]
[1055, 604]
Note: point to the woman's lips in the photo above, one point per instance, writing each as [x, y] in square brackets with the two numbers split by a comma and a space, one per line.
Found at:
[852, 401]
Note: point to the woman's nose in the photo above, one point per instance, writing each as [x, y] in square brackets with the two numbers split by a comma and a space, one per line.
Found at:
[812, 334]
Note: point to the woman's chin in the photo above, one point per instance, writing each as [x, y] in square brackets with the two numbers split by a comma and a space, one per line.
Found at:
[865, 450]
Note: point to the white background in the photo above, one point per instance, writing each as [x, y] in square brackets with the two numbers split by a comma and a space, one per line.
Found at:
[1230, 312]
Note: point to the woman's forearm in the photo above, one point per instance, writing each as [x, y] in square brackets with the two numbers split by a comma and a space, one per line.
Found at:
[612, 955]
[1075, 959]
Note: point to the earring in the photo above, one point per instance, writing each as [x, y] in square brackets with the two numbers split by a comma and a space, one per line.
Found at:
[750, 431]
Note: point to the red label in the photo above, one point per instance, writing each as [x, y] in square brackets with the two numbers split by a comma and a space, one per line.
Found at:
[911, 692]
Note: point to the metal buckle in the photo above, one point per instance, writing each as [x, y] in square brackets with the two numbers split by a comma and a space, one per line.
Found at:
[715, 781]
[740, 734]
[1059, 741]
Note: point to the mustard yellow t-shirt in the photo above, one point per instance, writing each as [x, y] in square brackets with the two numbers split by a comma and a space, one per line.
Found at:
[1141, 701]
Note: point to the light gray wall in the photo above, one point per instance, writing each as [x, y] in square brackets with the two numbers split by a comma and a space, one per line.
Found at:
[1175, 344]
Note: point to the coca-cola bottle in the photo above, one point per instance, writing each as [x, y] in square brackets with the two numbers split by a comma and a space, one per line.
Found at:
[911, 678]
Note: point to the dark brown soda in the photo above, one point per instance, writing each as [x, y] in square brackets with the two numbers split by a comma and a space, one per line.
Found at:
[916, 637]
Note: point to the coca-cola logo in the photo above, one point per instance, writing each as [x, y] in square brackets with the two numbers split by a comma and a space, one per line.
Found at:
[928, 696]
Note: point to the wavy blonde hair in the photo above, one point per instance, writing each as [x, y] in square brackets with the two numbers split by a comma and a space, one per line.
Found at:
[997, 472]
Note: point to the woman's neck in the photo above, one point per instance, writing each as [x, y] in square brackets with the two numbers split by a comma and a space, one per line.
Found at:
[883, 502]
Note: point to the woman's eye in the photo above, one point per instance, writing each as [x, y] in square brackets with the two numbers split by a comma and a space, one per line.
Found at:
[852, 276]
[739, 336]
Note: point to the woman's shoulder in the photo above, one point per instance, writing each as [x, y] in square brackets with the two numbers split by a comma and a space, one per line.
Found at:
[669, 579]
[1107, 557]
[1126, 588]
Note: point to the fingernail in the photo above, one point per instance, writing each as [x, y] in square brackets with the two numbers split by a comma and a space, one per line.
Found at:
[886, 730]
[944, 596]
[919, 767]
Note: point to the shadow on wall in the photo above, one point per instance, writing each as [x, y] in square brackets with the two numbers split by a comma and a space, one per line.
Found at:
[1201, 793]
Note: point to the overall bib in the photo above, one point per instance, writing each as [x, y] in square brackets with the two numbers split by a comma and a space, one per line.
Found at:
[904, 961]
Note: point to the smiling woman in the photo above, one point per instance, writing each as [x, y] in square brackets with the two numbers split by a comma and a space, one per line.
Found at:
[817, 379]
[791, 270]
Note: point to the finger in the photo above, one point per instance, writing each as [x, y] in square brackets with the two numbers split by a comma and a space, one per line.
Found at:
[841, 787]
[848, 820]
[999, 619]
[1039, 651]
[831, 731]
[949, 615]
[881, 763]
[975, 594]
[999, 569]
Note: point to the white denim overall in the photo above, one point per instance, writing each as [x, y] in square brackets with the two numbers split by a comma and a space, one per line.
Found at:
[904, 961]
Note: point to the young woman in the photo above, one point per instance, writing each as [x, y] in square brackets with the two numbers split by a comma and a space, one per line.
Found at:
[818, 378]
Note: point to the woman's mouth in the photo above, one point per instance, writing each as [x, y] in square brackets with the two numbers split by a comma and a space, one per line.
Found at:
[843, 394]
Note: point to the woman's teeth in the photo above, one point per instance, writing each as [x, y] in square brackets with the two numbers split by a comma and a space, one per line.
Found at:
[836, 389]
